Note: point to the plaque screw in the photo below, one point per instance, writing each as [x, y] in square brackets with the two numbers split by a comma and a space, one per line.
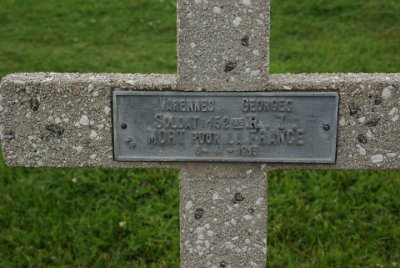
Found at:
[123, 126]
[326, 127]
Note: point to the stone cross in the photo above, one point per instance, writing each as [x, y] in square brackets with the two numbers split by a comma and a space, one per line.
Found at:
[65, 120]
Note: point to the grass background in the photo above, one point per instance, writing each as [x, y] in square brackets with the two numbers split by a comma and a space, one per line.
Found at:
[129, 218]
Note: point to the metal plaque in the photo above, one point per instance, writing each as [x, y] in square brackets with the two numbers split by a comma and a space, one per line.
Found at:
[291, 127]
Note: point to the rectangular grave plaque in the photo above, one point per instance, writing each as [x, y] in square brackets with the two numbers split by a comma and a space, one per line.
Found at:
[291, 127]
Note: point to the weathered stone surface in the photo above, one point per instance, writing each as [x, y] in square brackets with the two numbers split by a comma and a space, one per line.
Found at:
[69, 123]
[223, 216]
[223, 44]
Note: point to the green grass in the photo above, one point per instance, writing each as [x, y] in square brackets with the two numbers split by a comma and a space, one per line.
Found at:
[129, 218]
[334, 219]
[88, 218]
[335, 36]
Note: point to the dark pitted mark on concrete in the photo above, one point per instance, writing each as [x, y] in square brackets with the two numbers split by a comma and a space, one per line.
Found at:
[238, 197]
[34, 104]
[230, 66]
[353, 108]
[123, 126]
[45, 137]
[251, 210]
[378, 100]
[373, 122]
[55, 129]
[93, 145]
[198, 213]
[8, 134]
[362, 138]
[245, 41]
[222, 264]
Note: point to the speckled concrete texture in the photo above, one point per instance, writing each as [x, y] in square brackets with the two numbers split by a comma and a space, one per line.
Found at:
[64, 120]
[222, 43]
[223, 216]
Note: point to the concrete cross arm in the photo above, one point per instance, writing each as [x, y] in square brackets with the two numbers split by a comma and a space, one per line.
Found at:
[65, 120]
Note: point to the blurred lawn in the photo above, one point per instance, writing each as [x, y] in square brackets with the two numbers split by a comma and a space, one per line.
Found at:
[129, 218]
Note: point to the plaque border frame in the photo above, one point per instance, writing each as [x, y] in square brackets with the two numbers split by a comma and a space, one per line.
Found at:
[331, 160]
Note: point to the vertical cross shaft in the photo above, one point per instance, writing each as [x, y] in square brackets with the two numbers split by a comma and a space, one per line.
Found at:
[223, 216]
[223, 45]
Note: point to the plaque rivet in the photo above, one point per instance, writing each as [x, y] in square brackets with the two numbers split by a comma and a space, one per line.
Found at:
[326, 127]
[123, 126]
